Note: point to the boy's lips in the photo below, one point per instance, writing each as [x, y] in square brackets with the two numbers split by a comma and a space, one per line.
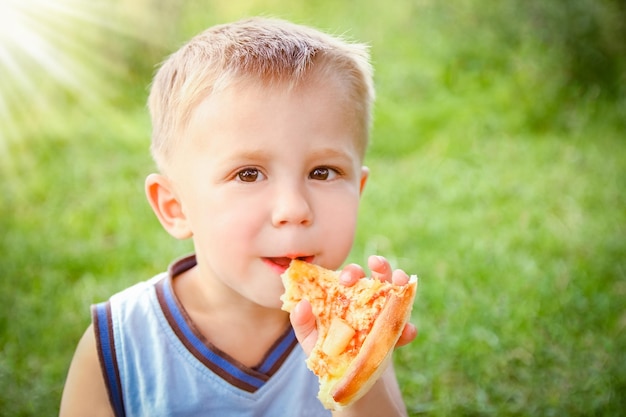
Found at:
[281, 263]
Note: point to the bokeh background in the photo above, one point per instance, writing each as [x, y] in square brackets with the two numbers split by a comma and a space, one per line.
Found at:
[498, 165]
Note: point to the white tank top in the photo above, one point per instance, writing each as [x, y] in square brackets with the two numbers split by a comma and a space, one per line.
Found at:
[155, 362]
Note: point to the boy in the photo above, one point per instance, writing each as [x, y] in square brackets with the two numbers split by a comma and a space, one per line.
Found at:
[259, 131]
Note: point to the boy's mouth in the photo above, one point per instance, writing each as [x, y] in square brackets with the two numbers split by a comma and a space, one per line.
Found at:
[282, 263]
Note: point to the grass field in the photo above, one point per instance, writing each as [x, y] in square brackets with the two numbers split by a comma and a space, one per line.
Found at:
[495, 178]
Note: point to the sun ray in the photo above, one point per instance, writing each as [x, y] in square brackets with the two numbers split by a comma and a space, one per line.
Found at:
[54, 49]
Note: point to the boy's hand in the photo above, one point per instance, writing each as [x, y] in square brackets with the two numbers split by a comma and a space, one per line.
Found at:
[303, 320]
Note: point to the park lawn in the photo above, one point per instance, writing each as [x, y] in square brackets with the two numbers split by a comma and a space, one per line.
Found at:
[518, 242]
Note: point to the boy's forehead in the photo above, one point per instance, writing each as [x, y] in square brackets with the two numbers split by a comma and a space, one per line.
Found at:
[242, 106]
[314, 90]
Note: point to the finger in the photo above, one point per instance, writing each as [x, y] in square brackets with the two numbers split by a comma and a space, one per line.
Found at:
[409, 333]
[380, 267]
[304, 325]
[351, 274]
[399, 277]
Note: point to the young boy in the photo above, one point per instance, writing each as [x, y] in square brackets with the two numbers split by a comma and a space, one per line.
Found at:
[260, 130]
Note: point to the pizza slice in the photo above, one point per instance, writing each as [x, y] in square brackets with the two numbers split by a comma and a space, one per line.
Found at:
[358, 327]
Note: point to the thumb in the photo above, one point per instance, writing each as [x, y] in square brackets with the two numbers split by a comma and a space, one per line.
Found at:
[304, 325]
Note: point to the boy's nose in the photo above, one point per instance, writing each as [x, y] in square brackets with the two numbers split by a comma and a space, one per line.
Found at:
[291, 207]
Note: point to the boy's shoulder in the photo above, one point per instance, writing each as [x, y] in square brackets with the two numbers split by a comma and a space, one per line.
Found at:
[136, 290]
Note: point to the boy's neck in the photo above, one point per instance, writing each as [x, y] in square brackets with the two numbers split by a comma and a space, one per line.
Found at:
[243, 330]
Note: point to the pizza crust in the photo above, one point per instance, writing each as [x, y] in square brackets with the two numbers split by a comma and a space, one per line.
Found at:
[378, 311]
[376, 349]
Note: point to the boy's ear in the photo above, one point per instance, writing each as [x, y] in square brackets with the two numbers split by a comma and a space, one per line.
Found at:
[365, 173]
[167, 207]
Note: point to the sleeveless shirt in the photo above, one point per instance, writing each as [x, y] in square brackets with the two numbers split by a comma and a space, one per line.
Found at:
[156, 363]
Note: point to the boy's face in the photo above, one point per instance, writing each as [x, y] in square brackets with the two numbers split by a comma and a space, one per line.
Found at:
[267, 175]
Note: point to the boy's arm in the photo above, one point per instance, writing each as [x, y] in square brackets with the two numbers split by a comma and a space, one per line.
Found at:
[383, 399]
[85, 392]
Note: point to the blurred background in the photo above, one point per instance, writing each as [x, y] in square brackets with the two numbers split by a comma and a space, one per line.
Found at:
[498, 165]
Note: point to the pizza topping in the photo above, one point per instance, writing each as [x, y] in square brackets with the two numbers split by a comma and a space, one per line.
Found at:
[338, 337]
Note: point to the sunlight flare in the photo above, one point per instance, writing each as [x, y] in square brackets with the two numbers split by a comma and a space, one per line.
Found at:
[53, 54]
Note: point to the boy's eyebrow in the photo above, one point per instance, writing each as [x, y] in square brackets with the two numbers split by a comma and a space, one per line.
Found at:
[332, 152]
[261, 153]
[246, 154]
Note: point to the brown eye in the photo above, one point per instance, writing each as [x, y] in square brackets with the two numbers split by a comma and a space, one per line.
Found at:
[322, 174]
[249, 175]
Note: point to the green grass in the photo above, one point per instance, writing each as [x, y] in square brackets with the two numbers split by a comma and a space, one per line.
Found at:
[494, 178]
[519, 245]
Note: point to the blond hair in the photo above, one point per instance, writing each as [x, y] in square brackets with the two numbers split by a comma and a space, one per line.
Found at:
[258, 49]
